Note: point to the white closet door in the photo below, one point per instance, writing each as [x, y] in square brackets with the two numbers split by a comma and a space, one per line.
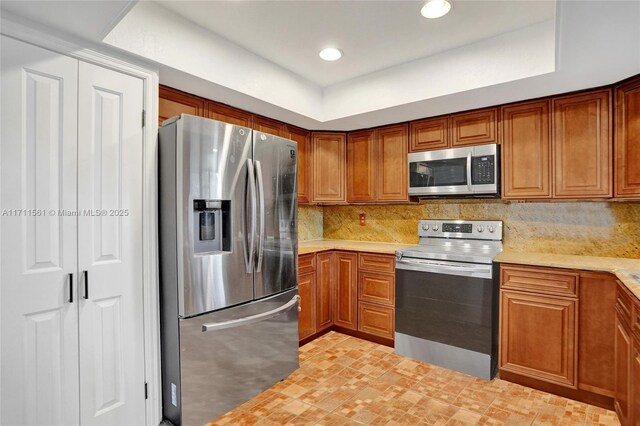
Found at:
[110, 247]
[38, 252]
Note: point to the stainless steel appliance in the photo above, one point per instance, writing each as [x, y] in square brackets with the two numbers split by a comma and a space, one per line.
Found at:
[228, 237]
[447, 296]
[469, 171]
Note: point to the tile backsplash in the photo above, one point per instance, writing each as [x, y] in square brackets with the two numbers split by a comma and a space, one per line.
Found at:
[309, 223]
[584, 228]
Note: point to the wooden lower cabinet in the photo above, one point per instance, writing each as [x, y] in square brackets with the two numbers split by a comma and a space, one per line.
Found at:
[557, 331]
[596, 340]
[635, 380]
[376, 319]
[324, 290]
[539, 337]
[307, 314]
[623, 367]
[345, 312]
[351, 291]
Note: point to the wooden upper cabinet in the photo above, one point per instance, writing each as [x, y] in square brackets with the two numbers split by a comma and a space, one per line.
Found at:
[229, 114]
[174, 102]
[303, 139]
[362, 165]
[526, 150]
[345, 312]
[392, 160]
[474, 128]
[627, 143]
[596, 339]
[267, 125]
[329, 169]
[429, 134]
[582, 143]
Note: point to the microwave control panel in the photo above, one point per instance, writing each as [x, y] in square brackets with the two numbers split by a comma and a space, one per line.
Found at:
[483, 170]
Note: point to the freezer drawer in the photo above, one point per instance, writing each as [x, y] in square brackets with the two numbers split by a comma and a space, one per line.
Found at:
[228, 357]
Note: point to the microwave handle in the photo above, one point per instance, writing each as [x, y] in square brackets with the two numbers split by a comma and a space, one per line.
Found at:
[469, 184]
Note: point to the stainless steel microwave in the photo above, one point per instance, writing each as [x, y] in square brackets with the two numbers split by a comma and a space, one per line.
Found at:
[468, 171]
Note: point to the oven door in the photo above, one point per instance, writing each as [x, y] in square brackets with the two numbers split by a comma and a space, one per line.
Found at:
[446, 314]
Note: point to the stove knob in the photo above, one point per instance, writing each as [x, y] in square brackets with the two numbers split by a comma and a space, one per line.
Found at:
[425, 226]
[491, 228]
[480, 228]
[435, 227]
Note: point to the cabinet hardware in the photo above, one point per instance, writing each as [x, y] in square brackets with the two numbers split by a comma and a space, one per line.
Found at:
[86, 284]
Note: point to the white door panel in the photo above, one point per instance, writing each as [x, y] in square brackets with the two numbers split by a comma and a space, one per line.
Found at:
[110, 247]
[39, 369]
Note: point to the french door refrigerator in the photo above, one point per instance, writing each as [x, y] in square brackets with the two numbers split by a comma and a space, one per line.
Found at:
[228, 238]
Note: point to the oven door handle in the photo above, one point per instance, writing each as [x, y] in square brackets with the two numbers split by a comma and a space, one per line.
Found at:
[438, 267]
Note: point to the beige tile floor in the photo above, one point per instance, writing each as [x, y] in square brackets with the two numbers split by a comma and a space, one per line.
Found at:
[347, 381]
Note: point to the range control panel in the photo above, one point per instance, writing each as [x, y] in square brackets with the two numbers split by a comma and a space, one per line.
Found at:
[463, 229]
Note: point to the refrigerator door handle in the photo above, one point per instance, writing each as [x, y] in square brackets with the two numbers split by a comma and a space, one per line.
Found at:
[249, 250]
[261, 235]
[213, 326]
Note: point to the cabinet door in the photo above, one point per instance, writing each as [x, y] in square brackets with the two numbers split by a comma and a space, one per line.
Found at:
[303, 139]
[627, 143]
[267, 125]
[110, 170]
[474, 128]
[582, 145]
[635, 383]
[392, 163]
[346, 309]
[376, 319]
[38, 172]
[174, 102]
[429, 134]
[623, 368]
[229, 114]
[307, 315]
[362, 164]
[538, 337]
[526, 151]
[329, 172]
[597, 319]
[324, 290]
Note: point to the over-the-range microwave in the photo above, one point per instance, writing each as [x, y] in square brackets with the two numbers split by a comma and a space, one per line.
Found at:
[466, 172]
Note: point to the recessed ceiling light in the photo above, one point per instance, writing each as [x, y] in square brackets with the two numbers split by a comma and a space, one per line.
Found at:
[331, 54]
[435, 8]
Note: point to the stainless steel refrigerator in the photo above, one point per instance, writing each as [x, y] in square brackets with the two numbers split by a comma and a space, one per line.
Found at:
[228, 263]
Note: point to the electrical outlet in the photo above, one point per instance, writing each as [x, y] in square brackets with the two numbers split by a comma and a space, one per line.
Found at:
[363, 219]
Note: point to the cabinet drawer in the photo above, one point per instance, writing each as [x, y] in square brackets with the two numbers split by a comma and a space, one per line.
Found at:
[376, 319]
[376, 262]
[624, 303]
[539, 280]
[376, 288]
[306, 263]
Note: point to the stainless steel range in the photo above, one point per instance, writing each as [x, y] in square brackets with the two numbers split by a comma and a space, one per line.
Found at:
[447, 296]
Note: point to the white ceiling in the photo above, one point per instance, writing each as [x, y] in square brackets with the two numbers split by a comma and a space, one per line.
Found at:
[91, 20]
[374, 35]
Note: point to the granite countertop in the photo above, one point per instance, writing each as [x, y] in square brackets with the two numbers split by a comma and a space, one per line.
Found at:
[313, 246]
[623, 268]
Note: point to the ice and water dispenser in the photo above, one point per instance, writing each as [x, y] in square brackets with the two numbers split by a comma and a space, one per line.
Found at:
[212, 225]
